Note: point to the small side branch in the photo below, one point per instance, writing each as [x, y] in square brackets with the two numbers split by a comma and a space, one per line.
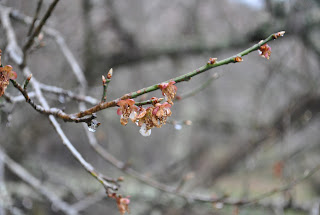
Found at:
[15, 50]
[105, 83]
[185, 77]
[36, 184]
[36, 32]
[51, 111]
[36, 14]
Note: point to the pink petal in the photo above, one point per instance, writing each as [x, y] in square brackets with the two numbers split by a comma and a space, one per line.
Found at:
[12, 75]
[119, 112]
[7, 68]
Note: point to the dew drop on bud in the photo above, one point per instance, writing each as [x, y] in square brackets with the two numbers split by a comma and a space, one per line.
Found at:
[62, 99]
[93, 126]
[144, 131]
[218, 205]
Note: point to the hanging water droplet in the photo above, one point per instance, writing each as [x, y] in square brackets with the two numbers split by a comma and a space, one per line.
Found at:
[178, 126]
[62, 99]
[218, 205]
[92, 127]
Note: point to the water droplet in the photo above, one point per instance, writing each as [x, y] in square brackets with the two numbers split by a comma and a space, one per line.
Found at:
[218, 205]
[93, 126]
[178, 126]
[143, 130]
[91, 129]
[62, 99]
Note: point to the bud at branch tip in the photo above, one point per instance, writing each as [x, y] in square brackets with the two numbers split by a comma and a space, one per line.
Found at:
[109, 76]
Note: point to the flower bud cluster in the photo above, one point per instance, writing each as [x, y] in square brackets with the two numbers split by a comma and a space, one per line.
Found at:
[6, 73]
[150, 117]
[265, 51]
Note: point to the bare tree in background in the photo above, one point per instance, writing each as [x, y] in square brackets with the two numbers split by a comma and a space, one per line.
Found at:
[239, 132]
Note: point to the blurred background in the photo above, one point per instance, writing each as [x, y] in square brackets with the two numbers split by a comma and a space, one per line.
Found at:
[255, 128]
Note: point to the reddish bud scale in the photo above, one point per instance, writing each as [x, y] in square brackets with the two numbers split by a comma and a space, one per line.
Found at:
[154, 100]
[109, 75]
[120, 178]
[212, 60]
[265, 51]
[122, 203]
[238, 59]
[279, 34]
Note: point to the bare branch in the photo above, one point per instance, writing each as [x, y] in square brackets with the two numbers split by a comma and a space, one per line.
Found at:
[35, 17]
[42, 22]
[36, 184]
[59, 91]
[185, 77]
[108, 183]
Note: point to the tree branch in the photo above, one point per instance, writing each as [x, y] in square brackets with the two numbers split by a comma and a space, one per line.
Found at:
[15, 50]
[36, 184]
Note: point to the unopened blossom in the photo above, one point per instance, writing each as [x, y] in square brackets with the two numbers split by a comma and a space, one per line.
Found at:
[169, 90]
[279, 34]
[265, 51]
[238, 59]
[122, 203]
[6, 73]
[127, 110]
[212, 60]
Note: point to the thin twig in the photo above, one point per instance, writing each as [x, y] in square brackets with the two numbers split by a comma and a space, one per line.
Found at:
[68, 93]
[35, 17]
[104, 105]
[147, 102]
[36, 32]
[36, 184]
[51, 111]
[185, 77]
[155, 184]
[307, 174]
[107, 182]
[105, 83]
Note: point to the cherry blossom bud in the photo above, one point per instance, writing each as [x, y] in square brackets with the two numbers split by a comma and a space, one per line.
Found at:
[103, 79]
[279, 34]
[265, 51]
[238, 59]
[109, 75]
[212, 60]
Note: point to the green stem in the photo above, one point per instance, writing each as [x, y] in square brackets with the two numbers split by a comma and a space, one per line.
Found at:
[105, 88]
[185, 77]
[188, 76]
[147, 102]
